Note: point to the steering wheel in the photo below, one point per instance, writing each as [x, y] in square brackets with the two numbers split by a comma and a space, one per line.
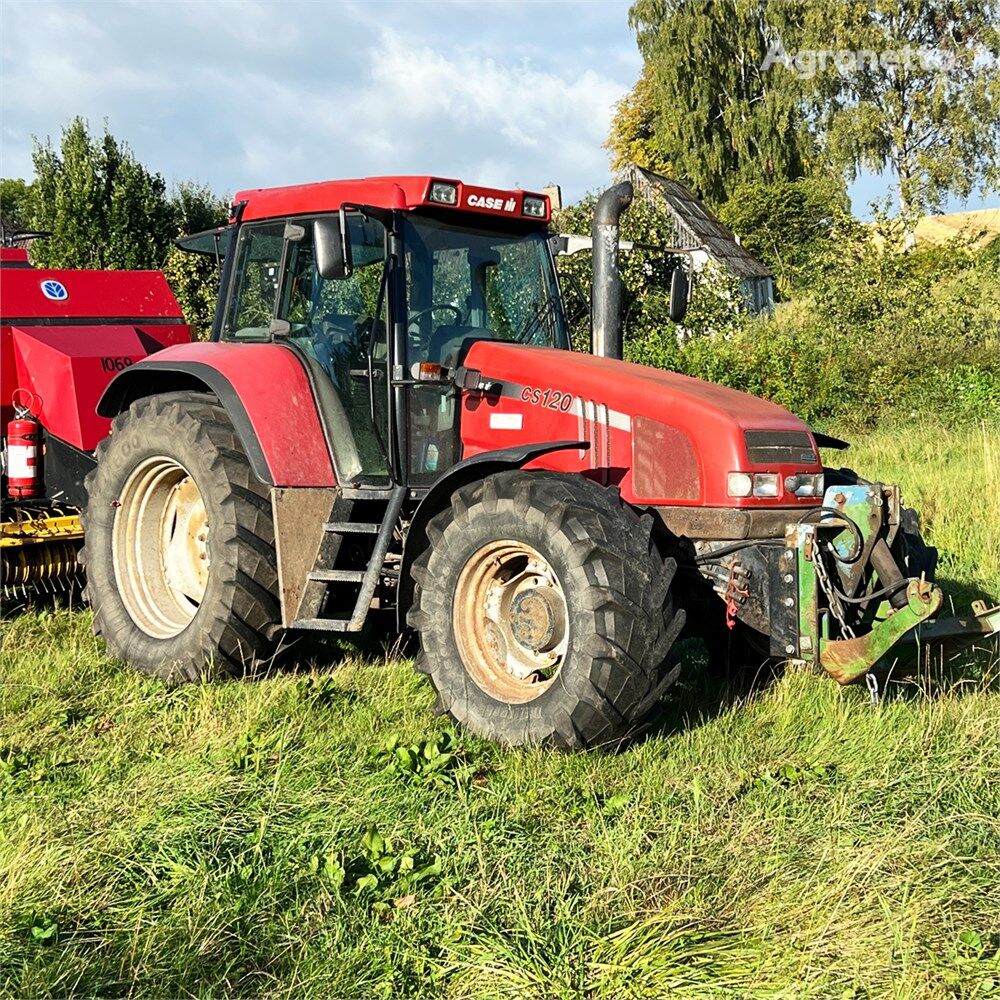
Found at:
[420, 313]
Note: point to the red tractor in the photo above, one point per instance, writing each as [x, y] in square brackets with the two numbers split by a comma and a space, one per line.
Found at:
[64, 335]
[389, 417]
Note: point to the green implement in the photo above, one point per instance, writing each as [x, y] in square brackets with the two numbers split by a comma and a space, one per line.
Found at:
[846, 660]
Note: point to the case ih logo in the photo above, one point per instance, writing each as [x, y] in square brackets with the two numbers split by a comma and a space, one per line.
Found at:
[497, 204]
[54, 290]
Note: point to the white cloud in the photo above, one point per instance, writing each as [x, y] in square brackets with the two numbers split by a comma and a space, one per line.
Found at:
[250, 94]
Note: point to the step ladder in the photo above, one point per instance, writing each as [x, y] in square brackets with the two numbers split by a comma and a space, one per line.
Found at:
[366, 579]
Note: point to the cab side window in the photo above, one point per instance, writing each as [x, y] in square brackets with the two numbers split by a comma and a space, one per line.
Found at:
[334, 321]
[335, 325]
[255, 282]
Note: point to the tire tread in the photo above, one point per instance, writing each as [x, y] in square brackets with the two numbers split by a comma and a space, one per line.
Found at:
[628, 596]
[241, 630]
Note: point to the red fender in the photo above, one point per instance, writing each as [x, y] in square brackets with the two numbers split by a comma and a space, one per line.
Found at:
[266, 392]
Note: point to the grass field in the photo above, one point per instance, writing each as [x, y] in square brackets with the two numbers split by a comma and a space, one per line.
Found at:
[320, 833]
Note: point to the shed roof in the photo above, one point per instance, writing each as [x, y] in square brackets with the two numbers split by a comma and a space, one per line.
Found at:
[697, 226]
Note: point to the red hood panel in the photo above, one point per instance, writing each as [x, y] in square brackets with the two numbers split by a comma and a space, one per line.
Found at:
[636, 389]
[682, 435]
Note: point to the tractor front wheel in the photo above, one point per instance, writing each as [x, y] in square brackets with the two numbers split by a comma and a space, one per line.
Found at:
[544, 611]
[179, 543]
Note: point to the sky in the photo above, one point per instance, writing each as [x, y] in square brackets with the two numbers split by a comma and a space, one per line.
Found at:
[252, 93]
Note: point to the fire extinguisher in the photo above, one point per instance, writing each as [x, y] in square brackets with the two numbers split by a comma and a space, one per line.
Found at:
[24, 449]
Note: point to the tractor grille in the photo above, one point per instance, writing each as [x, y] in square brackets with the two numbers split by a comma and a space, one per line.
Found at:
[779, 447]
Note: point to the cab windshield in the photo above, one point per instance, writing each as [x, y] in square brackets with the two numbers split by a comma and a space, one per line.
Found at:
[465, 284]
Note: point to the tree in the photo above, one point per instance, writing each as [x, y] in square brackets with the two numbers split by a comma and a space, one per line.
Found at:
[633, 130]
[197, 208]
[705, 106]
[913, 86]
[788, 223]
[103, 208]
[193, 277]
[743, 91]
[15, 208]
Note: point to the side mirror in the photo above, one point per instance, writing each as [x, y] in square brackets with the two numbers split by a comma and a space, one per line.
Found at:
[332, 246]
[678, 294]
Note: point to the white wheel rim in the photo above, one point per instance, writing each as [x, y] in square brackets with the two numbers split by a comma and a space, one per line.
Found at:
[159, 547]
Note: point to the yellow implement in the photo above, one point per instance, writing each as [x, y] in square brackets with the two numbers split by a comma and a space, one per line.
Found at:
[64, 527]
[38, 550]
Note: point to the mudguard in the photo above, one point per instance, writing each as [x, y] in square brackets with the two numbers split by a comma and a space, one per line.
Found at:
[265, 391]
[477, 467]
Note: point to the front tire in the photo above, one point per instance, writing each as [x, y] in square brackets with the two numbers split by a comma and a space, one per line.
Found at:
[544, 611]
[179, 543]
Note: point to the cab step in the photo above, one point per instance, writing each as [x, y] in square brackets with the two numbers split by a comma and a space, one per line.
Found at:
[323, 624]
[338, 575]
[366, 579]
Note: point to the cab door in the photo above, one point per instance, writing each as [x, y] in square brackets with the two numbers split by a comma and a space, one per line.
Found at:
[464, 284]
[339, 330]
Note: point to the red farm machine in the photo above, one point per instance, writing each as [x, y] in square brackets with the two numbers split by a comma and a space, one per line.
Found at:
[64, 335]
[389, 418]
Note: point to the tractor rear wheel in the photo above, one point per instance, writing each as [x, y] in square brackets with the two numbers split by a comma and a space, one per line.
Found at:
[545, 612]
[179, 543]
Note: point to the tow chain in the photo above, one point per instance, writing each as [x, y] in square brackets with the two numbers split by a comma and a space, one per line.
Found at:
[831, 595]
[871, 682]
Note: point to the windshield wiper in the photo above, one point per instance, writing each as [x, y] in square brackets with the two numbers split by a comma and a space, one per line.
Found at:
[535, 321]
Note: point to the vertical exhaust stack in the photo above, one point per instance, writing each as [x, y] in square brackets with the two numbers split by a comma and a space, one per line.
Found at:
[606, 293]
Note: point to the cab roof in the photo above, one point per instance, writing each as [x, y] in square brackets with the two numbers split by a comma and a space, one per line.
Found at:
[405, 193]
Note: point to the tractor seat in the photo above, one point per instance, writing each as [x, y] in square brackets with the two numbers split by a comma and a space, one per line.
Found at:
[450, 342]
[340, 326]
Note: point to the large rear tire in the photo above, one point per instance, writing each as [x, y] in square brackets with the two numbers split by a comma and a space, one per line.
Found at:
[179, 543]
[544, 611]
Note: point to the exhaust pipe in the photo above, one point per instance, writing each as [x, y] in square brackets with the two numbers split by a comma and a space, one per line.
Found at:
[606, 290]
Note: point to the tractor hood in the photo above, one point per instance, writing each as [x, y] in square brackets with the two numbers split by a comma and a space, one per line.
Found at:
[645, 391]
[662, 436]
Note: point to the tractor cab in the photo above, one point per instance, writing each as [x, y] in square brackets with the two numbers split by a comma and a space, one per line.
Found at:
[380, 300]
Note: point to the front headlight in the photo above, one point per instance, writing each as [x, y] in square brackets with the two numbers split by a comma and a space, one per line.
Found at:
[805, 484]
[740, 484]
[758, 484]
[766, 484]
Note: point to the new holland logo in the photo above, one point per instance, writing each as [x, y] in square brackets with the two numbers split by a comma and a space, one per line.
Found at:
[54, 290]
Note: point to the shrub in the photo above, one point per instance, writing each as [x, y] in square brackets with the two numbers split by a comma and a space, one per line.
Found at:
[787, 223]
[875, 329]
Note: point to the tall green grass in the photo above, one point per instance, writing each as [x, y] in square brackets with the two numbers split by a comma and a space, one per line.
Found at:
[952, 477]
[320, 833]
